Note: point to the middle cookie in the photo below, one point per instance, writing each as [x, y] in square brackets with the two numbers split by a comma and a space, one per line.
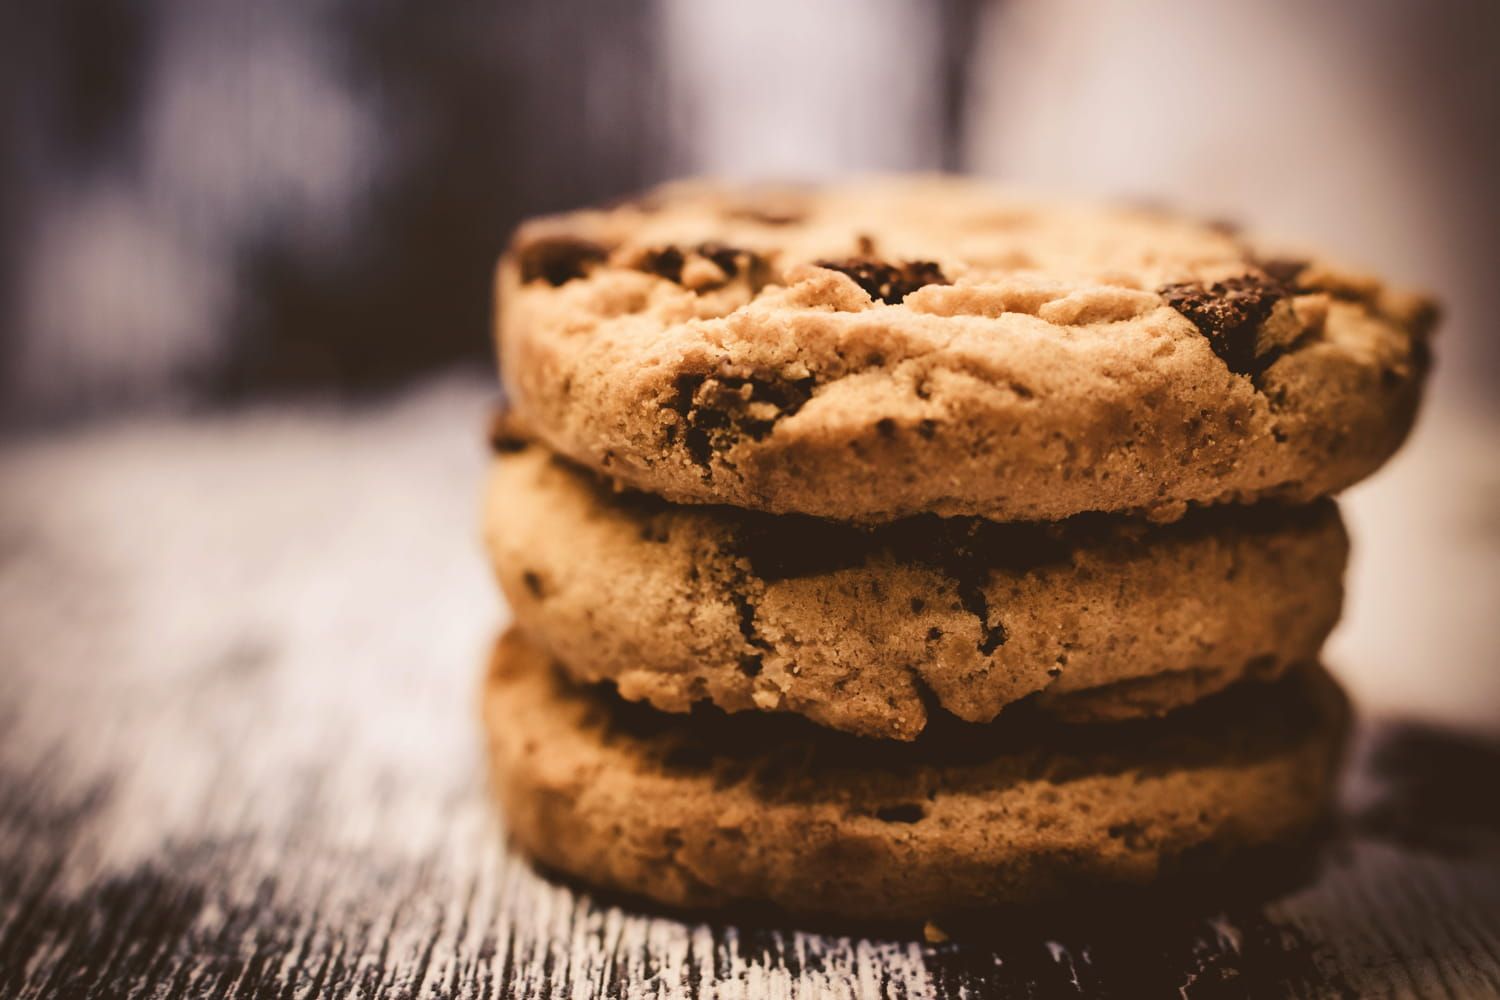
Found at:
[866, 630]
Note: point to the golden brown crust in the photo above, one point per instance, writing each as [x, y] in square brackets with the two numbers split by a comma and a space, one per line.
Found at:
[709, 811]
[927, 345]
[861, 630]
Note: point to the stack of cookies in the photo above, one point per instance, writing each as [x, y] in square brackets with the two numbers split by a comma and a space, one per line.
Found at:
[908, 547]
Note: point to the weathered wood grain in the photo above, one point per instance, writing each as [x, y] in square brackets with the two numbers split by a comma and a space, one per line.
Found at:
[239, 757]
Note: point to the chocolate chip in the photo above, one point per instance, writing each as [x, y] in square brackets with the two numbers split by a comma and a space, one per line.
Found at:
[665, 262]
[1229, 313]
[890, 283]
[557, 259]
[668, 261]
[726, 258]
[718, 409]
[533, 584]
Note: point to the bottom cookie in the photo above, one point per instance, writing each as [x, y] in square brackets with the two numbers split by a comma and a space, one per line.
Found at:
[708, 810]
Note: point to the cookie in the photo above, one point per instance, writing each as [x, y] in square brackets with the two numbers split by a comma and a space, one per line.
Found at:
[928, 345]
[869, 630]
[708, 810]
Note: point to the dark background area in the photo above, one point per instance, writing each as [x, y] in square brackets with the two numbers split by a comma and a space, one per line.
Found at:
[266, 196]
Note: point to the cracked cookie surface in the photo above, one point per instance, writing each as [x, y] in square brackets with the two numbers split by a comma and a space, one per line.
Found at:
[873, 630]
[929, 345]
[707, 810]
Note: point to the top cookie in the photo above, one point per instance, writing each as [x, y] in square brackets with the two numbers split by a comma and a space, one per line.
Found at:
[885, 348]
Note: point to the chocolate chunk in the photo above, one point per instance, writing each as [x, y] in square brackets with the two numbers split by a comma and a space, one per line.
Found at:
[727, 259]
[1229, 313]
[557, 259]
[665, 262]
[718, 409]
[890, 283]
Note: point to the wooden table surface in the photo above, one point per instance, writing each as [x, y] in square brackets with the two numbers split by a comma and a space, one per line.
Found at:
[239, 753]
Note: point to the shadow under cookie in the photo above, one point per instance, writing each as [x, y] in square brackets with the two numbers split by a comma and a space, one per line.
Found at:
[867, 630]
[707, 810]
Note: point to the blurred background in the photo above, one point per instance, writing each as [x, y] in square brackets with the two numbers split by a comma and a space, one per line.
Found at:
[207, 205]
